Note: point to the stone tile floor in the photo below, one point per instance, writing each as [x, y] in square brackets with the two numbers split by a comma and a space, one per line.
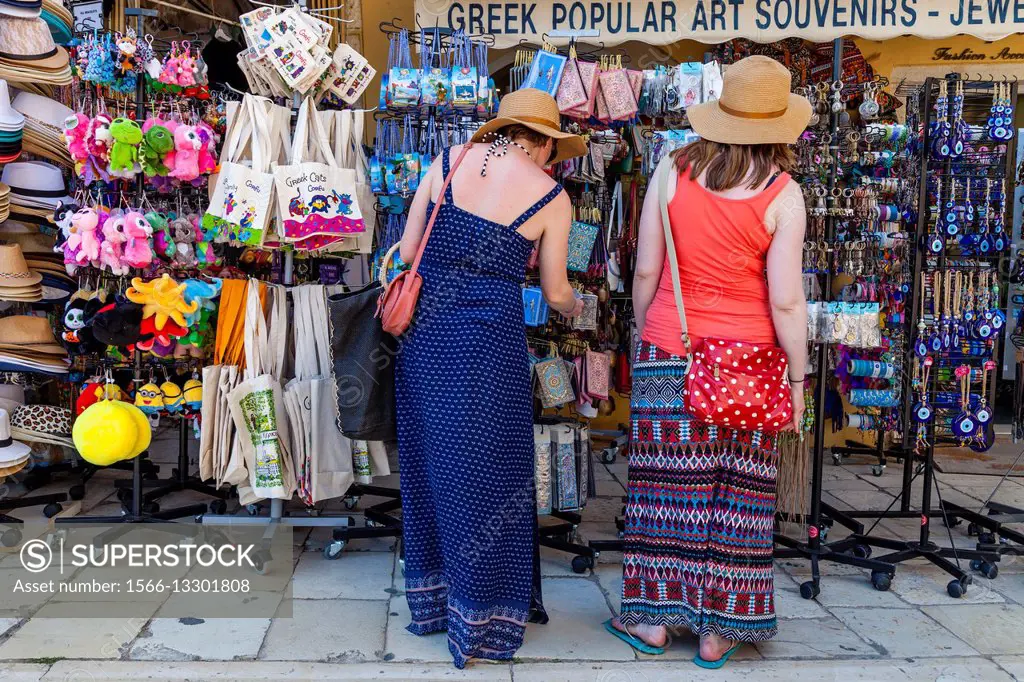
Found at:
[349, 617]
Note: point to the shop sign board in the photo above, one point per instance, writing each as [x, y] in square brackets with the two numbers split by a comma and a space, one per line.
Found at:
[88, 14]
[660, 22]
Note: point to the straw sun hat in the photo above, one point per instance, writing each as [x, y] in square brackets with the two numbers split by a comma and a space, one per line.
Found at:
[756, 106]
[537, 110]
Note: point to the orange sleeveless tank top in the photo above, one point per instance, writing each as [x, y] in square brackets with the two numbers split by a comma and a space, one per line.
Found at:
[722, 246]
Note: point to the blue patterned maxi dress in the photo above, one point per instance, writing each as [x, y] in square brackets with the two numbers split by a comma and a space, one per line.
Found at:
[465, 437]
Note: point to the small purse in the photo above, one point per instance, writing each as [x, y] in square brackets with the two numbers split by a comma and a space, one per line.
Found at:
[596, 368]
[732, 384]
[587, 320]
[397, 302]
[554, 384]
[581, 244]
[535, 308]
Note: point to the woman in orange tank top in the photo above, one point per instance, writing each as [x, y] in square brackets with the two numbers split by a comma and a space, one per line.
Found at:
[700, 514]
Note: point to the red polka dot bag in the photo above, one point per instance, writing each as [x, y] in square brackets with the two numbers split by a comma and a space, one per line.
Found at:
[733, 384]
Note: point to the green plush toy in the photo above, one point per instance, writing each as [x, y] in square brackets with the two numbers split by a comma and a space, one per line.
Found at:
[124, 153]
[163, 243]
[156, 143]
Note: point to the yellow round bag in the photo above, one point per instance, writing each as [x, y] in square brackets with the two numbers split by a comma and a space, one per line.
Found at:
[106, 433]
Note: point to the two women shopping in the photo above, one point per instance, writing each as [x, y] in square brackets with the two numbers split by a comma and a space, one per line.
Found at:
[701, 496]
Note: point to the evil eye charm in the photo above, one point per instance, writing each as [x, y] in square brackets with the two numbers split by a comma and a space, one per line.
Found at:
[984, 330]
[964, 426]
[1000, 133]
[922, 413]
[947, 340]
[984, 414]
[998, 320]
[952, 228]
[968, 315]
[936, 244]
[936, 343]
[985, 245]
[921, 349]
[958, 149]
[1000, 242]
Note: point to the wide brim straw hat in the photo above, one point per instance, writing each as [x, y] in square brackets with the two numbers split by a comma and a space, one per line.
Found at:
[756, 106]
[28, 42]
[537, 110]
[15, 274]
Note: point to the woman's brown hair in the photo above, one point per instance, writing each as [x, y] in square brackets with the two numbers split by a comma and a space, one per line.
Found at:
[726, 166]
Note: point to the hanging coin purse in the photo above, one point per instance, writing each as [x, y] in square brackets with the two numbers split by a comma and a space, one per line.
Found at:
[572, 92]
[596, 372]
[581, 244]
[588, 76]
[554, 384]
[587, 320]
[535, 308]
[617, 93]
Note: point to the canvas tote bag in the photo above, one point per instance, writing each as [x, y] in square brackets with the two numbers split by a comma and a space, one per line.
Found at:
[323, 454]
[257, 403]
[315, 198]
[241, 201]
[349, 153]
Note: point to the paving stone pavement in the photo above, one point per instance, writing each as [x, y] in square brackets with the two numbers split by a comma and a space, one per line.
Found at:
[349, 617]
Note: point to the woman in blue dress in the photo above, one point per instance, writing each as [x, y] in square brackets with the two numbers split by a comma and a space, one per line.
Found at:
[463, 391]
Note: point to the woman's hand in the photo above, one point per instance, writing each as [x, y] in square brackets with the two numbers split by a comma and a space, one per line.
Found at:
[577, 308]
[796, 394]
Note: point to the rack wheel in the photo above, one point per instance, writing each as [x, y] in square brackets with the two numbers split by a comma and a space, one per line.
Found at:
[972, 528]
[950, 521]
[76, 492]
[580, 564]
[881, 581]
[350, 503]
[37, 479]
[150, 507]
[861, 551]
[52, 509]
[10, 537]
[218, 507]
[987, 538]
[608, 455]
[809, 589]
[957, 588]
[261, 562]
[877, 469]
[332, 550]
[987, 569]
[837, 459]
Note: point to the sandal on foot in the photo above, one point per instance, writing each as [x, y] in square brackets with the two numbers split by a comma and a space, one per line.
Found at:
[632, 640]
[715, 665]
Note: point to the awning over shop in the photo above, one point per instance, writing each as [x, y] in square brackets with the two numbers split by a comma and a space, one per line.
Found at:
[661, 22]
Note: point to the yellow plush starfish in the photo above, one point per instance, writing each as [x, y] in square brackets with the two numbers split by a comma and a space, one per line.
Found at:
[161, 298]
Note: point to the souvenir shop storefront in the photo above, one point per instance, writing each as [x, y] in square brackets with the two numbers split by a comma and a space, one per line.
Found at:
[194, 222]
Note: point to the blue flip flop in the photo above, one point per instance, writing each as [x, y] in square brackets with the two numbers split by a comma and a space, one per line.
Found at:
[715, 665]
[635, 642]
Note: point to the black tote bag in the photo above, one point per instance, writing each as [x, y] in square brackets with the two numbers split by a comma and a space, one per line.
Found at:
[364, 365]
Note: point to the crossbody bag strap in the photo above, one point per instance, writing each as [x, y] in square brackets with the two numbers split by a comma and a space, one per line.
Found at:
[668, 172]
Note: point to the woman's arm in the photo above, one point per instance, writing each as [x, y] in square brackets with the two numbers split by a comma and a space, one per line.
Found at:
[554, 252]
[417, 220]
[650, 254]
[785, 287]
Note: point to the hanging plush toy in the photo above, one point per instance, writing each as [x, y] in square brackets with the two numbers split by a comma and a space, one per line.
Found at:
[95, 391]
[186, 154]
[79, 312]
[184, 239]
[163, 242]
[173, 398]
[137, 230]
[124, 154]
[111, 431]
[127, 47]
[84, 239]
[193, 394]
[207, 161]
[111, 251]
[76, 130]
[156, 143]
[149, 399]
[99, 140]
[162, 299]
[186, 67]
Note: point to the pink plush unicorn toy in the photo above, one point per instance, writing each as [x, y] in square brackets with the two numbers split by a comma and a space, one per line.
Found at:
[111, 251]
[76, 129]
[186, 154]
[85, 236]
[137, 251]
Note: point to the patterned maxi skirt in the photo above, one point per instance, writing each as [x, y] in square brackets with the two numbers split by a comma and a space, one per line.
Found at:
[699, 516]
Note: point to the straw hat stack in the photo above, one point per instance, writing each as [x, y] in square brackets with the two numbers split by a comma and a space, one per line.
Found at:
[44, 126]
[12, 122]
[56, 283]
[13, 455]
[27, 52]
[59, 19]
[36, 187]
[17, 282]
[5, 202]
[27, 344]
